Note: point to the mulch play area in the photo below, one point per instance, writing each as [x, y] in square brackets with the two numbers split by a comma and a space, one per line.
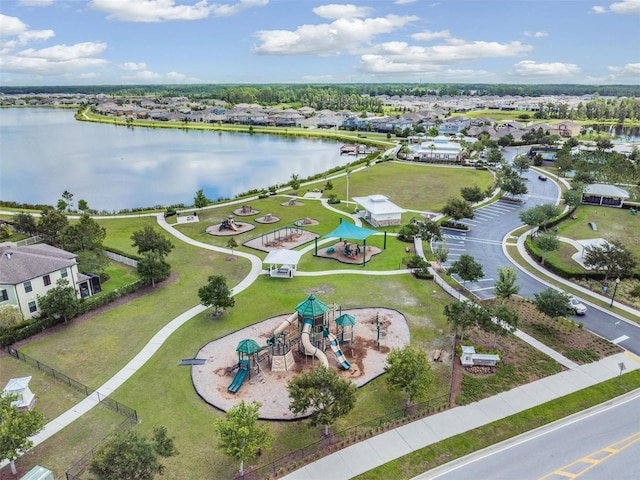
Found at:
[337, 252]
[287, 237]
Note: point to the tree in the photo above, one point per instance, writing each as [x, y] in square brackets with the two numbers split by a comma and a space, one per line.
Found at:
[461, 316]
[294, 183]
[231, 244]
[5, 231]
[610, 258]
[513, 186]
[9, 316]
[51, 225]
[467, 268]
[67, 197]
[505, 320]
[216, 294]
[539, 215]
[152, 268]
[441, 252]
[329, 185]
[149, 239]
[130, 455]
[200, 200]
[573, 196]
[472, 194]
[522, 163]
[92, 261]
[85, 235]
[241, 436]
[552, 302]
[59, 301]
[322, 393]
[408, 371]
[494, 155]
[505, 287]
[547, 242]
[25, 223]
[83, 206]
[61, 205]
[429, 230]
[458, 208]
[16, 428]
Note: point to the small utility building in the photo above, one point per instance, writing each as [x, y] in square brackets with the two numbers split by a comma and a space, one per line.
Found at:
[20, 387]
[379, 211]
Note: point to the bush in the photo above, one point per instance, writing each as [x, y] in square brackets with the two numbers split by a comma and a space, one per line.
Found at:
[333, 199]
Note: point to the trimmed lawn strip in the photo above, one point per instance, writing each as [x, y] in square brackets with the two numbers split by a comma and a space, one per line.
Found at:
[119, 276]
[468, 442]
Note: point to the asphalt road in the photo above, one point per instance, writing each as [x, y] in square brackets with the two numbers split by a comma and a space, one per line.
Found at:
[600, 443]
[491, 224]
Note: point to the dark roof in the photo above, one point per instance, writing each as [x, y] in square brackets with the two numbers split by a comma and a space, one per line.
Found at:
[19, 264]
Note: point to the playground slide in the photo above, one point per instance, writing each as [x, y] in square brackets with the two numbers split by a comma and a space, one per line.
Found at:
[310, 349]
[237, 380]
[335, 346]
[282, 327]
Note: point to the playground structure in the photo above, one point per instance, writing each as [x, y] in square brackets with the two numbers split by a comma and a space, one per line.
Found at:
[228, 223]
[245, 210]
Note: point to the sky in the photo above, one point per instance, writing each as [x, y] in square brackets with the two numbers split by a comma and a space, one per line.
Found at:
[97, 42]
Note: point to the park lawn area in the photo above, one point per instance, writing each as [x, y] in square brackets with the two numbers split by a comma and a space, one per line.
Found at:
[562, 258]
[52, 396]
[414, 186]
[94, 350]
[119, 276]
[119, 231]
[70, 444]
[162, 392]
[612, 223]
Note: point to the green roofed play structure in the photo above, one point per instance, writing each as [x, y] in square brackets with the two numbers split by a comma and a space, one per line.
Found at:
[248, 350]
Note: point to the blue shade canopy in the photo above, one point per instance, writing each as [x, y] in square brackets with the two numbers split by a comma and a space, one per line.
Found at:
[349, 230]
[311, 307]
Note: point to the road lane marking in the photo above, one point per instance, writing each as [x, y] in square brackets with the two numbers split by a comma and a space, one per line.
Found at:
[621, 338]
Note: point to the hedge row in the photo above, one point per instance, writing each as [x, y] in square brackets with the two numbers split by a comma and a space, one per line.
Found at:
[36, 325]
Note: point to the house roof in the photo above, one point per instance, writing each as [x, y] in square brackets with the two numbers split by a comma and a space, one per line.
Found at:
[378, 205]
[605, 190]
[19, 264]
[282, 256]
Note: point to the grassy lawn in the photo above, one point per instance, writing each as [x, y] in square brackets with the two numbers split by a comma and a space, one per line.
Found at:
[119, 276]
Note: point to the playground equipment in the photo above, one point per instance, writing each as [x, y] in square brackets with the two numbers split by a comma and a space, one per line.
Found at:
[228, 223]
[241, 374]
[248, 350]
[335, 346]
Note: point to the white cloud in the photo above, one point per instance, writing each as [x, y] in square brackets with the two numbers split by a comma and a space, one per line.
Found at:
[626, 7]
[630, 69]
[35, 35]
[228, 10]
[168, 10]
[536, 34]
[344, 34]
[404, 2]
[428, 35]
[132, 66]
[147, 76]
[545, 69]
[10, 26]
[335, 11]
[401, 57]
[65, 53]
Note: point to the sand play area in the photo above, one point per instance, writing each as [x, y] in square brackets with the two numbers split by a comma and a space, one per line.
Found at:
[212, 379]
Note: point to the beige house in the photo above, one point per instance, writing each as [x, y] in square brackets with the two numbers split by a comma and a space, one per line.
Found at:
[379, 211]
[30, 271]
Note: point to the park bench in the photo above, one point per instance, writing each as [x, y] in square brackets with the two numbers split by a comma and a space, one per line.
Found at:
[437, 356]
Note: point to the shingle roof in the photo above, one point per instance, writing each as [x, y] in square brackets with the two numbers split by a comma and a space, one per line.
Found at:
[19, 264]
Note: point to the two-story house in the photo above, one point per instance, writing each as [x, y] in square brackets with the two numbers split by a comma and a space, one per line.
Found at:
[30, 271]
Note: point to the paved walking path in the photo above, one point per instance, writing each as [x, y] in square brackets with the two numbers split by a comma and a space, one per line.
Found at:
[375, 451]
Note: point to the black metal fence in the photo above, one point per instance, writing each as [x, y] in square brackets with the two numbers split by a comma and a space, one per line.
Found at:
[344, 438]
[118, 407]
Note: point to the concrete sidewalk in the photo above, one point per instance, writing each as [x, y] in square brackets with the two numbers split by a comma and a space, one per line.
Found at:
[388, 446]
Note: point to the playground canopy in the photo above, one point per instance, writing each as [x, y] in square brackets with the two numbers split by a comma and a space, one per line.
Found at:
[247, 347]
[311, 307]
[349, 230]
[346, 320]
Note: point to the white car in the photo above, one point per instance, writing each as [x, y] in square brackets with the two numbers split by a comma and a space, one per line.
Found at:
[577, 306]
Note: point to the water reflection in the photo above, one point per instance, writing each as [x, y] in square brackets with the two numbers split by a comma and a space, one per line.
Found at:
[45, 151]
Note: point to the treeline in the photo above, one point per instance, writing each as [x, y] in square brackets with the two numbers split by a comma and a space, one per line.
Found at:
[333, 96]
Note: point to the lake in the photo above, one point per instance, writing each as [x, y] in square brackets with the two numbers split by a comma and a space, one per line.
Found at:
[44, 152]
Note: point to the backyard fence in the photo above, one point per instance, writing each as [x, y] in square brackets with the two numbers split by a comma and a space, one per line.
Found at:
[29, 241]
[118, 407]
[116, 257]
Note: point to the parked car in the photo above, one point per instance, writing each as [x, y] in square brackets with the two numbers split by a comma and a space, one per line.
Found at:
[577, 306]
[542, 177]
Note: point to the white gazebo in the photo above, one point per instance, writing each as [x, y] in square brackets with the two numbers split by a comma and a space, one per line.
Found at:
[282, 262]
[20, 387]
[379, 211]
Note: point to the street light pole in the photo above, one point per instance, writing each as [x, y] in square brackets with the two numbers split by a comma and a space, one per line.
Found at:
[615, 289]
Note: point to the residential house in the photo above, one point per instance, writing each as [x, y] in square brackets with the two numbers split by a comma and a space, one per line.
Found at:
[30, 271]
[566, 129]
